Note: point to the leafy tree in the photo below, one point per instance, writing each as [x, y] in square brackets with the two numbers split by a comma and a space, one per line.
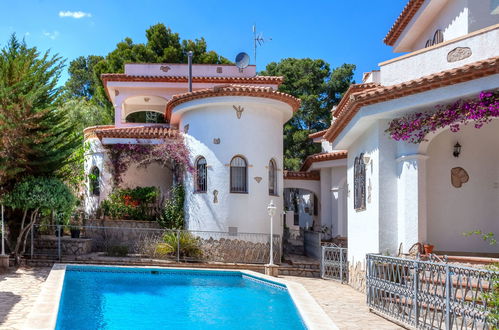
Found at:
[319, 89]
[82, 83]
[162, 46]
[36, 137]
[34, 195]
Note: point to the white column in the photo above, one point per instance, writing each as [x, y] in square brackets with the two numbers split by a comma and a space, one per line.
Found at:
[411, 200]
[118, 119]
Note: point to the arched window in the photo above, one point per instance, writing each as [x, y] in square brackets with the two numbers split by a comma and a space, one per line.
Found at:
[438, 37]
[272, 178]
[359, 182]
[94, 178]
[201, 175]
[238, 175]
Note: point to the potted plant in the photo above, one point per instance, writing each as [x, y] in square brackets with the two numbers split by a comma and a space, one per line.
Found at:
[428, 248]
[76, 221]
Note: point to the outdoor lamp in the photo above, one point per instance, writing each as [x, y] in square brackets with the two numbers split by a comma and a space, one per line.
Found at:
[366, 159]
[457, 149]
[271, 209]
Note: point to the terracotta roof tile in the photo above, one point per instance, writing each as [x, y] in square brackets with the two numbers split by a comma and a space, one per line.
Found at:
[404, 18]
[232, 90]
[317, 134]
[132, 132]
[299, 175]
[236, 80]
[355, 100]
[322, 157]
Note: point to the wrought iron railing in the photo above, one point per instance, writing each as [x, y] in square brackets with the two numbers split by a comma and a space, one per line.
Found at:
[133, 244]
[334, 263]
[430, 295]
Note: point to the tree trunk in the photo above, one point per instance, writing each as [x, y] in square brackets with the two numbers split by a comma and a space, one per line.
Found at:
[22, 235]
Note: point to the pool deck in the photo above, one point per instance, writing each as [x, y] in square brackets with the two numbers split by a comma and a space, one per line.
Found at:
[19, 290]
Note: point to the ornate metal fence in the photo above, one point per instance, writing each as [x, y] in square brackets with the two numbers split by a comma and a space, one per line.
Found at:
[430, 295]
[334, 263]
[135, 244]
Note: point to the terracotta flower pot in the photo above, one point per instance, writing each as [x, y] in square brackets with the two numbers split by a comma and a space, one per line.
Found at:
[428, 248]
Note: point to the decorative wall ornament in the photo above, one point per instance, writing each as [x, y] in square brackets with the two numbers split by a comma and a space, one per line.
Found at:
[239, 111]
[116, 92]
[165, 68]
[219, 69]
[186, 128]
[458, 54]
[216, 141]
[147, 99]
[359, 181]
[258, 179]
[458, 176]
[215, 196]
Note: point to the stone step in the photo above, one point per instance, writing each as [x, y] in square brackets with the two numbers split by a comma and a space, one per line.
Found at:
[301, 272]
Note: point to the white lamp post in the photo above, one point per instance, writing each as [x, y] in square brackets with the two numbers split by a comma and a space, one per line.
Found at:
[271, 209]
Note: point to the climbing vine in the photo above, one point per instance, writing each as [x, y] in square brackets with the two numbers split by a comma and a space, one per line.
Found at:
[170, 153]
[415, 127]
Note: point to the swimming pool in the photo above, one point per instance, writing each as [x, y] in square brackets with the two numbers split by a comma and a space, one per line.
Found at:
[96, 297]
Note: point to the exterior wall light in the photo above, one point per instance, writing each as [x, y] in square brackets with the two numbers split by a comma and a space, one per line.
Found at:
[457, 150]
[366, 159]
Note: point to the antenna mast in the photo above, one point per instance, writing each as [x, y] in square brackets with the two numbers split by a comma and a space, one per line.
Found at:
[258, 40]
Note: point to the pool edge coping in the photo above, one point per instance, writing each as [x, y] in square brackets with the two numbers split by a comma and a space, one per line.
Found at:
[44, 312]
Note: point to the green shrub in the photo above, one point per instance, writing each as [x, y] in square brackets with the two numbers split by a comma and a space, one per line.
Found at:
[190, 246]
[172, 215]
[132, 204]
[117, 251]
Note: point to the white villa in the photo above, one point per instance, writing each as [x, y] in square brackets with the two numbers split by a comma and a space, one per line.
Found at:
[383, 195]
[386, 195]
[231, 123]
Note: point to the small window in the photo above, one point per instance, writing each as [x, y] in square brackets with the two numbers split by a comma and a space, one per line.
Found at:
[438, 37]
[272, 178]
[359, 181]
[201, 175]
[238, 175]
[94, 178]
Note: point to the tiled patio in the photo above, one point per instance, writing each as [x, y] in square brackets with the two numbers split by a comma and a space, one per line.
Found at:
[346, 307]
[18, 292]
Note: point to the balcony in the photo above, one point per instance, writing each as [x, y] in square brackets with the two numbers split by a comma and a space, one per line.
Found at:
[473, 47]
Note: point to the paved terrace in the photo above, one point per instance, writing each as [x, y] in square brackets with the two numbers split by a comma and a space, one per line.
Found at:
[345, 306]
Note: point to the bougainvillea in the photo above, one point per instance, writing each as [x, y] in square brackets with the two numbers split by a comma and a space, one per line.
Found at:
[171, 153]
[415, 127]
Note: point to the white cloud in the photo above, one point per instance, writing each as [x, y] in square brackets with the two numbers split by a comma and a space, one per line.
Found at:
[74, 14]
[51, 35]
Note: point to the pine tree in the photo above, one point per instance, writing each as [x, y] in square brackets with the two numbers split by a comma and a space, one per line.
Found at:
[35, 137]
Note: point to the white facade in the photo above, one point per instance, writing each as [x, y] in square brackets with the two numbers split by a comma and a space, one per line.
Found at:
[217, 127]
[216, 133]
[409, 196]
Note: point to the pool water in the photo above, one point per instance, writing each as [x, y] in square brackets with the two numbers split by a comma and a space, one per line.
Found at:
[138, 298]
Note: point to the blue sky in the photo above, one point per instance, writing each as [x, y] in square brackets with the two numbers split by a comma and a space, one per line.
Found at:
[338, 31]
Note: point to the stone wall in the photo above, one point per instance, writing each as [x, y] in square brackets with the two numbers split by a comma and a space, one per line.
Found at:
[69, 246]
[357, 276]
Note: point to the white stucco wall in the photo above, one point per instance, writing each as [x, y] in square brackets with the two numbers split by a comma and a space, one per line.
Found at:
[474, 206]
[257, 136]
[363, 226]
[412, 66]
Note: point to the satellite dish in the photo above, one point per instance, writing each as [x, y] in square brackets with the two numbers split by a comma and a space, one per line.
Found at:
[242, 60]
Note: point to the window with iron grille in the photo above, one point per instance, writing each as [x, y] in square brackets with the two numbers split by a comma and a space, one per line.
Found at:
[272, 178]
[201, 175]
[359, 180]
[94, 181]
[238, 175]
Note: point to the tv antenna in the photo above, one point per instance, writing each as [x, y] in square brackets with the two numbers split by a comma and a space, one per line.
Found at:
[258, 40]
[242, 61]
